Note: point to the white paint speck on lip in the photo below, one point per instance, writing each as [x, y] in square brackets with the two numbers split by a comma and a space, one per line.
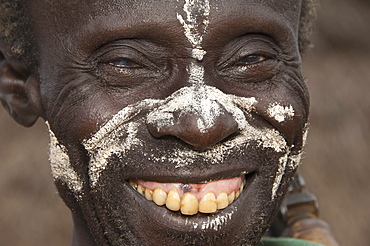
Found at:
[280, 113]
[215, 223]
[61, 168]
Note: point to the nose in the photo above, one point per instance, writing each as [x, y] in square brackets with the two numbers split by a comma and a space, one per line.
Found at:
[200, 122]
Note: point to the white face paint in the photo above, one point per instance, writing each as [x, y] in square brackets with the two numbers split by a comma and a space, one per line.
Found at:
[194, 31]
[108, 142]
[295, 160]
[61, 167]
[288, 161]
[206, 101]
[279, 174]
[196, 74]
[195, 9]
[215, 223]
[280, 113]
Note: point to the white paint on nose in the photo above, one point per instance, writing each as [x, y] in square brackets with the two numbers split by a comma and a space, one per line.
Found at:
[196, 74]
[207, 102]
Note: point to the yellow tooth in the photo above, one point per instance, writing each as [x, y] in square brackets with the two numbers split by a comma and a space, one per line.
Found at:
[222, 200]
[149, 194]
[133, 184]
[231, 197]
[241, 188]
[173, 200]
[159, 196]
[237, 193]
[208, 203]
[189, 204]
[140, 189]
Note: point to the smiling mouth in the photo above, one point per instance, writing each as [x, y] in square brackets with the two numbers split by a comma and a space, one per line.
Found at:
[191, 198]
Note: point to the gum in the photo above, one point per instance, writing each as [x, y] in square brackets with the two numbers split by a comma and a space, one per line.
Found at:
[197, 189]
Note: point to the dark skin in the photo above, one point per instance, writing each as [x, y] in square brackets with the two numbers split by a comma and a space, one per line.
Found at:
[80, 84]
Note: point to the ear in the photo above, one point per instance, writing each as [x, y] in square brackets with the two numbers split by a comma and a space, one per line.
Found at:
[19, 88]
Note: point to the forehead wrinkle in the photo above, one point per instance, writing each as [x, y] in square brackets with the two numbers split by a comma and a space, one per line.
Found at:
[243, 18]
[92, 23]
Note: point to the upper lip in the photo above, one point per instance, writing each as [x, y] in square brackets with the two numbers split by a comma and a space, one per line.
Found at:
[194, 177]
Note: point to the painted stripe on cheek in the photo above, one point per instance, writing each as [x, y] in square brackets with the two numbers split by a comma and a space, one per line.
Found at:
[60, 164]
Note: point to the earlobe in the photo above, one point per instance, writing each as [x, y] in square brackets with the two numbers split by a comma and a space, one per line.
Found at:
[19, 92]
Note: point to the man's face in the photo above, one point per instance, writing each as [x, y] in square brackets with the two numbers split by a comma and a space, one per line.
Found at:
[199, 105]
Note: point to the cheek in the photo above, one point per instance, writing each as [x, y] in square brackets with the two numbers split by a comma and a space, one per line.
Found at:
[286, 109]
[82, 107]
[77, 116]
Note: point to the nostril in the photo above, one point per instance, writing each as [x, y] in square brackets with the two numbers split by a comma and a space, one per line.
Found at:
[160, 130]
[230, 137]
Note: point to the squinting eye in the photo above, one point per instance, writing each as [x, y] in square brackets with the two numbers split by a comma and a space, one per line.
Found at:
[124, 63]
[251, 59]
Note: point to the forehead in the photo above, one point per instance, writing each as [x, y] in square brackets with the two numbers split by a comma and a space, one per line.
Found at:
[163, 8]
[87, 19]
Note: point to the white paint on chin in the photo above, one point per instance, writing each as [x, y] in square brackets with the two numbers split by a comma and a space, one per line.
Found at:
[61, 168]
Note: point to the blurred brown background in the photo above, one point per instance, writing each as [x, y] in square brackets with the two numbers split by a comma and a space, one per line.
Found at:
[336, 166]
